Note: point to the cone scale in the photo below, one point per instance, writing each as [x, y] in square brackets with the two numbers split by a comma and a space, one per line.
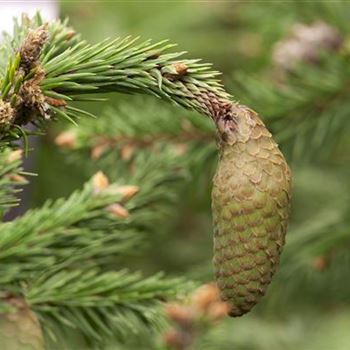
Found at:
[250, 205]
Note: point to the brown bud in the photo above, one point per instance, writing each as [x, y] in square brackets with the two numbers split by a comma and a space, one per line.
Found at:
[126, 152]
[7, 113]
[180, 314]
[180, 149]
[32, 45]
[204, 296]
[18, 178]
[97, 151]
[319, 263]
[127, 191]
[14, 155]
[66, 139]
[181, 68]
[218, 310]
[70, 35]
[55, 102]
[175, 71]
[118, 211]
[31, 96]
[99, 182]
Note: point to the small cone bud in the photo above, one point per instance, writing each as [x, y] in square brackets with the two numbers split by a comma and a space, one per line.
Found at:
[7, 113]
[97, 151]
[180, 68]
[14, 155]
[180, 314]
[118, 211]
[70, 35]
[127, 192]
[32, 46]
[204, 296]
[175, 71]
[56, 102]
[126, 152]
[218, 310]
[319, 263]
[99, 182]
[180, 149]
[66, 139]
[18, 179]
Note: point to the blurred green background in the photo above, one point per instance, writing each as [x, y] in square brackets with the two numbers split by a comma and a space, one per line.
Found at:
[307, 108]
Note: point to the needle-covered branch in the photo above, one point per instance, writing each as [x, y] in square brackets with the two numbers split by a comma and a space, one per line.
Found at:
[51, 67]
[126, 133]
[61, 258]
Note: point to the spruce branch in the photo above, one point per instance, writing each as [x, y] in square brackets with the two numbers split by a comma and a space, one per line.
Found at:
[122, 131]
[42, 254]
[75, 229]
[123, 125]
[102, 305]
[68, 68]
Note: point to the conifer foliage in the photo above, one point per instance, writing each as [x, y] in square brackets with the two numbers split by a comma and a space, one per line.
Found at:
[58, 261]
[69, 268]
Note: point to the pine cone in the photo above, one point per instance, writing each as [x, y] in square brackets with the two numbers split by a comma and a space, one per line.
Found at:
[250, 204]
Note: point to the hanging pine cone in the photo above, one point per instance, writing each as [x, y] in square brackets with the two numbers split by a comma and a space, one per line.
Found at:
[250, 202]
